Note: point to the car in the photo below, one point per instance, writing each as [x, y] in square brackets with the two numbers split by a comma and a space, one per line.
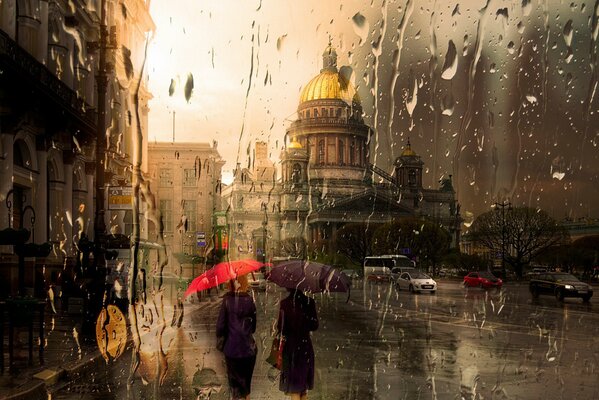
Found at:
[379, 277]
[257, 281]
[482, 279]
[560, 285]
[352, 274]
[416, 282]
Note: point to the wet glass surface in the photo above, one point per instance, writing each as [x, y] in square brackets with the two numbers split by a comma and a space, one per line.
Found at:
[460, 134]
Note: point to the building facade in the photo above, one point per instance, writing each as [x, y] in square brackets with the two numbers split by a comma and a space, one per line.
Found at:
[49, 118]
[327, 179]
[186, 184]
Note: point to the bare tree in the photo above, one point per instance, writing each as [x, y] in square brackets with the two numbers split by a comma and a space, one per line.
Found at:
[354, 240]
[294, 247]
[520, 235]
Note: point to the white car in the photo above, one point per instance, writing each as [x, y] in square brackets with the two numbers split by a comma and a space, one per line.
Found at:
[416, 281]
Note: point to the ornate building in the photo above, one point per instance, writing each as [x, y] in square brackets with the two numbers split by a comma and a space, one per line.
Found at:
[327, 179]
[49, 119]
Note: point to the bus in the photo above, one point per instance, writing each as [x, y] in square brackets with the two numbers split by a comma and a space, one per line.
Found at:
[379, 267]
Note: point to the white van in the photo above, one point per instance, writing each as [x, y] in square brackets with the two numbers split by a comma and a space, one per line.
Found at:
[378, 268]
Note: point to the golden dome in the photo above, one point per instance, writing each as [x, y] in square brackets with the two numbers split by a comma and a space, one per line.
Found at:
[329, 85]
[294, 144]
[408, 152]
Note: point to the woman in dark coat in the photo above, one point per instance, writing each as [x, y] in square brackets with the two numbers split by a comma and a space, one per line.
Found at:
[237, 322]
[297, 318]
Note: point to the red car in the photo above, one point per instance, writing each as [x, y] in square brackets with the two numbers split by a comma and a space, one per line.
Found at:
[482, 279]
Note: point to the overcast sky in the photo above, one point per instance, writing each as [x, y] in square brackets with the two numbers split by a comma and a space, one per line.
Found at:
[496, 93]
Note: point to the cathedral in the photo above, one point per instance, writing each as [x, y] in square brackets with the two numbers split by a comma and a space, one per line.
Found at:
[327, 178]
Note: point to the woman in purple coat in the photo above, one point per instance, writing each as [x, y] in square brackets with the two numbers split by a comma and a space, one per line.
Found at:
[297, 318]
[237, 323]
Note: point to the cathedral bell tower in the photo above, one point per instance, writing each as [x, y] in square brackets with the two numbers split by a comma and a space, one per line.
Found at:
[408, 172]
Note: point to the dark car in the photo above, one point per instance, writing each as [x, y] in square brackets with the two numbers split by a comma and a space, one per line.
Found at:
[482, 279]
[560, 285]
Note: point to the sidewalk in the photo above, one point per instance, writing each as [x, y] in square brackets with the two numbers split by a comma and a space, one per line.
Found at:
[64, 353]
[68, 358]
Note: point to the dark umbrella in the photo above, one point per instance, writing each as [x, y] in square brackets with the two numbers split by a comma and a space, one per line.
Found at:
[309, 276]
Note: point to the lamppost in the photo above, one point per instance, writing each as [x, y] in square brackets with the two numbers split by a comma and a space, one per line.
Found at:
[502, 206]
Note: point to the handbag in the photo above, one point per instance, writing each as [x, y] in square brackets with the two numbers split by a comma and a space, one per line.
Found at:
[275, 357]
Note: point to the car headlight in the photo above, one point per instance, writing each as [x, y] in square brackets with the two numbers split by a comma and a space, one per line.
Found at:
[568, 287]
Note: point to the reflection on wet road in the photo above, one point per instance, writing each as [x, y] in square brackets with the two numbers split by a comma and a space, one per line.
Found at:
[389, 344]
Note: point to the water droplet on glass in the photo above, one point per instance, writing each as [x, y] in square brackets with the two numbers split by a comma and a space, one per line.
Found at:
[510, 47]
[171, 88]
[280, 42]
[189, 87]
[361, 26]
[451, 62]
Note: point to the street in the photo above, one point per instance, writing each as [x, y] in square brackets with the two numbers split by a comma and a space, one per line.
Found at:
[387, 344]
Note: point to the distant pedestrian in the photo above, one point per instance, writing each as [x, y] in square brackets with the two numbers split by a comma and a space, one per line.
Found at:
[297, 316]
[237, 323]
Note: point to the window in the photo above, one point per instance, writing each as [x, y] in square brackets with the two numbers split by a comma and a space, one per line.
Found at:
[307, 113]
[320, 159]
[352, 153]
[190, 211]
[296, 174]
[166, 177]
[189, 177]
[166, 211]
[341, 157]
[323, 111]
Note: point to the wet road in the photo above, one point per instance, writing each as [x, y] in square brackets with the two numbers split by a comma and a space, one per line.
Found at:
[386, 344]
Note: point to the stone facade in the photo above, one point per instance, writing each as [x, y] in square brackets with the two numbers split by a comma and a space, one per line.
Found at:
[48, 117]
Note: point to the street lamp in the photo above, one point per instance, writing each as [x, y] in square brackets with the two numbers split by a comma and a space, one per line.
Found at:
[502, 206]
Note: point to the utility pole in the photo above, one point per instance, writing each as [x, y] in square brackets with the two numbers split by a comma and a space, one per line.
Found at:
[503, 205]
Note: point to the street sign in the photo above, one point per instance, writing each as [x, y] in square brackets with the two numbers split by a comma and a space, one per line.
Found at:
[120, 197]
[201, 239]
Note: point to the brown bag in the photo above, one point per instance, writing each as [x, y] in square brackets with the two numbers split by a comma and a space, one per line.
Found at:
[275, 358]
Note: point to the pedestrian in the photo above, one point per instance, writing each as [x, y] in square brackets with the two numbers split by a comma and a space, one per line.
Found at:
[297, 317]
[237, 323]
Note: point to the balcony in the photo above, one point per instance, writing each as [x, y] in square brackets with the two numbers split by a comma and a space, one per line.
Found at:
[31, 82]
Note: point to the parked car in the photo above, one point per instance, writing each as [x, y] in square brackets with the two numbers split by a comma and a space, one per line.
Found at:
[416, 281]
[257, 281]
[560, 285]
[482, 279]
[351, 274]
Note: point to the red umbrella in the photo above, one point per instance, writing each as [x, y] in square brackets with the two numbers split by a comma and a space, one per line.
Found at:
[222, 272]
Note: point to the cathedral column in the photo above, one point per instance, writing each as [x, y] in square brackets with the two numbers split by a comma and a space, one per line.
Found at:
[67, 200]
[41, 192]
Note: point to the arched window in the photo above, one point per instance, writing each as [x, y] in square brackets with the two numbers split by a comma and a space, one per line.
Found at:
[296, 174]
[412, 177]
[307, 113]
[352, 153]
[22, 157]
[320, 156]
[341, 157]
